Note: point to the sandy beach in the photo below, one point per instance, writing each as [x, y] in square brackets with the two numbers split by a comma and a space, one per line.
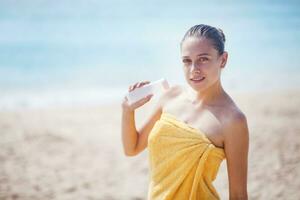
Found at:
[77, 153]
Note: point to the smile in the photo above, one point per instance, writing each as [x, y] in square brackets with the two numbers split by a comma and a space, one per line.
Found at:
[197, 80]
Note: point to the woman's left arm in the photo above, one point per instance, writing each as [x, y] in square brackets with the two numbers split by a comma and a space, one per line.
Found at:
[236, 146]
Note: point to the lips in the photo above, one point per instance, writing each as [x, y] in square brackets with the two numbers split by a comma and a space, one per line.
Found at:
[197, 79]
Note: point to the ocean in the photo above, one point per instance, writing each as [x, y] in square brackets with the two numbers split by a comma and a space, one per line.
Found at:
[89, 52]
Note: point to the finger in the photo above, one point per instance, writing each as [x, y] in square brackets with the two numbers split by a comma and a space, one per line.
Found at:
[146, 99]
[139, 84]
[149, 96]
[132, 87]
[145, 83]
[142, 101]
[135, 85]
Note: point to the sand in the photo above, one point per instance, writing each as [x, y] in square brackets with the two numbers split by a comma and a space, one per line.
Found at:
[77, 153]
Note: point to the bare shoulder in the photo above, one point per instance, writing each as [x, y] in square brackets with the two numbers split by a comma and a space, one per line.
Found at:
[236, 114]
[235, 125]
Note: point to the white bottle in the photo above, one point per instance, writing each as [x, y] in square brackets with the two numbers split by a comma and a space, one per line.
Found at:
[145, 90]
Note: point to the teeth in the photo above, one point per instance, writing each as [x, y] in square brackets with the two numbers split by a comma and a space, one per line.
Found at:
[197, 79]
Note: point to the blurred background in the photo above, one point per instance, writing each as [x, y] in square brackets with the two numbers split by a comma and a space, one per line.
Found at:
[66, 65]
[74, 52]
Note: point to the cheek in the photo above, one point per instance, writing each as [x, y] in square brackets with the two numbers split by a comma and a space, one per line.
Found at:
[211, 72]
[186, 72]
[185, 69]
[212, 66]
[207, 66]
[215, 72]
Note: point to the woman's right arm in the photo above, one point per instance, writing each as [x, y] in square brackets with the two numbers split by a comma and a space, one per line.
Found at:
[135, 141]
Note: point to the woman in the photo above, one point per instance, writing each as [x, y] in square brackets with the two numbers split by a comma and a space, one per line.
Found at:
[191, 130]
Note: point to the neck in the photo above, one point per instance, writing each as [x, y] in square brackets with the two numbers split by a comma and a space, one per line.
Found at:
[209, 96]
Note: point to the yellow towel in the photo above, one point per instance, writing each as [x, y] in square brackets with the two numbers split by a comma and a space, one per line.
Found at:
[183, 161]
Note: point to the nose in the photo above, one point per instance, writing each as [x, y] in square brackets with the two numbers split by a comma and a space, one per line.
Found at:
[194, 68]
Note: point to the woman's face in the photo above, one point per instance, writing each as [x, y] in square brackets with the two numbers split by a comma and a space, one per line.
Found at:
[202, 63]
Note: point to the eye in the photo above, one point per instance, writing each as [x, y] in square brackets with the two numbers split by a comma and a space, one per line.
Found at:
[185, 61]
[203, 59]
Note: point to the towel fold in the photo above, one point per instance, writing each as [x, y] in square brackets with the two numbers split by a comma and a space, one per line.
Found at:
[183, 162]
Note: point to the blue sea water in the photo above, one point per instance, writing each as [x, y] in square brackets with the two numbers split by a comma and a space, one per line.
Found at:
[79, 52]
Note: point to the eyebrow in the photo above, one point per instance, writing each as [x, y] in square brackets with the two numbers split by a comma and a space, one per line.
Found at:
[201, 54]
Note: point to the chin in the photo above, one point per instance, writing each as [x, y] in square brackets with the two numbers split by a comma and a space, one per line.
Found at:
[197, 87]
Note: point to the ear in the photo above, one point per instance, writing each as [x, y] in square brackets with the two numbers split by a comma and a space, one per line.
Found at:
[224, 57]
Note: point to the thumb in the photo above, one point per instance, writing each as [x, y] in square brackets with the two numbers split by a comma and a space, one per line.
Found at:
[143, 100]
